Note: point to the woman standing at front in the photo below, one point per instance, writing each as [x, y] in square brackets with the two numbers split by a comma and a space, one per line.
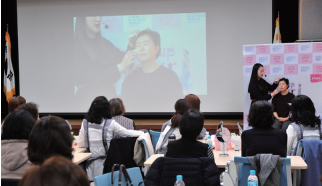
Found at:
[258, 88]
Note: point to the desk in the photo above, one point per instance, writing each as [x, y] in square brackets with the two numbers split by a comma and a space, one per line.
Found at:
[296, 161]
[79, 153]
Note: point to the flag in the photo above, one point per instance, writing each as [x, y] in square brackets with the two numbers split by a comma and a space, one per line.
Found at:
[8, 75]
[277, 35]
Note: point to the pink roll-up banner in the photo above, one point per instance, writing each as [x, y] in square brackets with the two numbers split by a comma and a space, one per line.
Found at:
[301, 63]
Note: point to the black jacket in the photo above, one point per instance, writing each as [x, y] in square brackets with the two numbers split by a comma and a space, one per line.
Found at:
[257, 94]
[194, 171]
[121, 151]
[185, 148]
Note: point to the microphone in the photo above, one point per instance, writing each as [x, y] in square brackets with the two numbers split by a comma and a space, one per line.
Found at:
[265, 75]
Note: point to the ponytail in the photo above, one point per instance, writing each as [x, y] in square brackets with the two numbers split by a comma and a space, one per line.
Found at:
[175, 120]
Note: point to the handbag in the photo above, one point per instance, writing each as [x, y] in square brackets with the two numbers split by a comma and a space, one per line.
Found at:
[123, 177]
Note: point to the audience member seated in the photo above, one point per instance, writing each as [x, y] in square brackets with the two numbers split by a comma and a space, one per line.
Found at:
[188, 147]
[15, 102]
[55, 171]
[195, 104]
[263, 138]
[117, 112]
[304, 122]
[14, 140]
[32, 108]
[50, 136]
[281, 107]
[181, 106]
[97, 117]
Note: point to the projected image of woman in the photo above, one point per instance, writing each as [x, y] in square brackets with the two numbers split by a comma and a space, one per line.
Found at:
[186, 72]
[258, 88]
[152, 78]
[98, 63]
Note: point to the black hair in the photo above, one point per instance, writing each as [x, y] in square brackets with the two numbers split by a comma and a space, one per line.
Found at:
[50, 136]
[303, 111]
[253, 78]
[30, 107]
[99, 110]
[191, 124]
[285, 80]
[17, 125]
[181, 106]
[155, 37]
[260, 114]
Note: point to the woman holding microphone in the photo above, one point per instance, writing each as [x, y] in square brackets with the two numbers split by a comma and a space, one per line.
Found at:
[258, 88]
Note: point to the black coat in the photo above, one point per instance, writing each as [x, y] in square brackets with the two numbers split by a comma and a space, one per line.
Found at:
[185, 148]
[194, 171]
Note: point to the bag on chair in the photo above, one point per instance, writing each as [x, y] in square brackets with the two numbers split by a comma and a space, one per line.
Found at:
[131, 176]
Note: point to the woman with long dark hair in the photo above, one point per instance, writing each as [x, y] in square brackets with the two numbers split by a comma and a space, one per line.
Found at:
[97, 118]
[98, 63]
[304, 121]
[181, 107]
[258, 88]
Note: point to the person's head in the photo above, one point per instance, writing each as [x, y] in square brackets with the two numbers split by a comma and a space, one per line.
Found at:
[99, 110]
[257, 72]
[194, 101]
[17, 125]
[50, 136]
[92, 25]
[116, 107]
[148, 46]
[15, 102]
[303, 111]
[283, 84]
[260, 115]
[191, 124]
[32, 108]
[181, 107]
[55, 171]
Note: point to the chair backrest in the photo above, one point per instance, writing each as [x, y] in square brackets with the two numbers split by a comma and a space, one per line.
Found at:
[121, 152]
[105, 179]
[155, 138]
[245, 167]
[9, 182]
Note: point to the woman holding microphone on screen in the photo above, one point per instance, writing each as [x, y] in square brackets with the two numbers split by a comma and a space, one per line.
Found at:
[258, 88]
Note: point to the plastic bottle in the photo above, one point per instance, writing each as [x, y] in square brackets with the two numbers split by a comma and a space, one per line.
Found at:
[237, 143]
[206, 136]
[179, 181]
[209, 142]
[252, 179]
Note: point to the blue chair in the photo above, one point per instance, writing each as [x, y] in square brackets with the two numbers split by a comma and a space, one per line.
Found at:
[105, 179]
[155, 138]
[245, 167]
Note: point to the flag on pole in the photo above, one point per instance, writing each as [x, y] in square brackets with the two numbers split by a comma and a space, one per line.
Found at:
[277, 35]
[8, 75]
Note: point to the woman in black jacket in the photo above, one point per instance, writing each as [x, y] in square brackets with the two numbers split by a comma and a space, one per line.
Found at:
[258, 88]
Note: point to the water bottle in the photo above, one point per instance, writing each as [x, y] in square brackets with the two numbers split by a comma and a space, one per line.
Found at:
[206, 137]
[209, 142]
[179, 181]
[237, 143]
[252, 179]
[172, 137]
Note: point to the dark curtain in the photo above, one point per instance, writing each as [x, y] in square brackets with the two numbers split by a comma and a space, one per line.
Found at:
[9, 16]
[289, 24]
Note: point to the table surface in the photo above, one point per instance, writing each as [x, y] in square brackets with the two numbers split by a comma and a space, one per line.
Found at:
[79, 153]
[296, 161]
